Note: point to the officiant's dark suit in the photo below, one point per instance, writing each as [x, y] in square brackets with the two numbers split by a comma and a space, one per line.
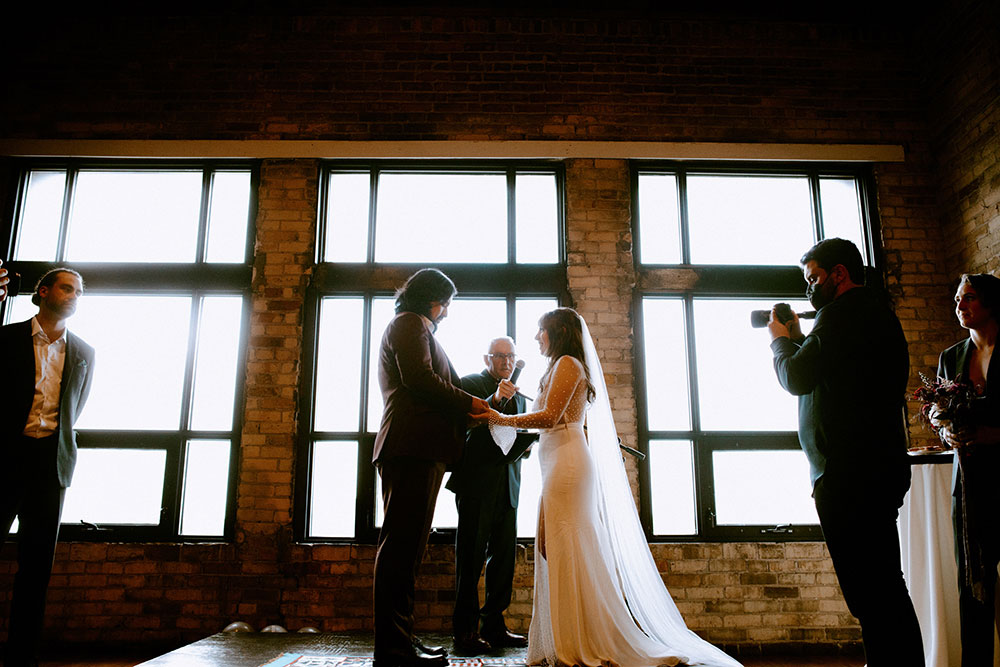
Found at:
[422, 432]
[35, 471]
[850, 374]
[487, 483]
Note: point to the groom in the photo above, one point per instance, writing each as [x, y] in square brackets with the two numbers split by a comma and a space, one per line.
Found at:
[422, 432]
[850, 375]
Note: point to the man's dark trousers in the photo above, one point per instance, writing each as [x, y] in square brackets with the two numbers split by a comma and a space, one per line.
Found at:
[484, 523]
[859, 524]
[409, 492]
[30, 490]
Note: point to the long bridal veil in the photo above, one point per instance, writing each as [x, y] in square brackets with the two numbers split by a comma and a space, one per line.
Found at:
[645, 594]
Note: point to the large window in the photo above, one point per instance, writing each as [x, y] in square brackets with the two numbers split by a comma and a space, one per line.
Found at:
[496, 231]
[164, 250]
[715, 242]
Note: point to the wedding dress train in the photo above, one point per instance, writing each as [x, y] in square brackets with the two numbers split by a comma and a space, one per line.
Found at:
[599, 598]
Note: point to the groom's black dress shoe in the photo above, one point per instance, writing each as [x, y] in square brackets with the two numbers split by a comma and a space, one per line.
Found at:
[429, 650]
[469, 644]
[414, 659]
[504, 638]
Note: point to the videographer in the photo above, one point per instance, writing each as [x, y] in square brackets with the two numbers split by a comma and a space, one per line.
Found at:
[850, 374]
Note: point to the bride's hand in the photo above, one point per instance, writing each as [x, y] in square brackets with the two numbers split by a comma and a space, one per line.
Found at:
[490, 416]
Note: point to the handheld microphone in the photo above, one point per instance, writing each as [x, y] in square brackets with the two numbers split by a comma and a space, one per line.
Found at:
[518, 367]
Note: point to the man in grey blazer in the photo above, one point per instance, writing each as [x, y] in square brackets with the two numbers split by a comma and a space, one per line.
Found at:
[47, 373]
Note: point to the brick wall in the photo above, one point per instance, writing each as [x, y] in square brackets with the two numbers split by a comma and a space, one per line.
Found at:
[469, 75]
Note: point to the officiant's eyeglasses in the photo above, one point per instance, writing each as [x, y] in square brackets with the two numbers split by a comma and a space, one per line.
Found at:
[507, 357]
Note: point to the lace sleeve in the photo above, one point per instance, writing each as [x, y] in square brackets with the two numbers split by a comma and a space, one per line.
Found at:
[565, 377]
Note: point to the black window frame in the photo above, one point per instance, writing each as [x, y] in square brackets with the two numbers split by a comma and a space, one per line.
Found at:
[195, 279]
[747, 281]
[370, 280]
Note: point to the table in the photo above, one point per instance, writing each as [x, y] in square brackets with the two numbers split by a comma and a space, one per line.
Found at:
[927, 545]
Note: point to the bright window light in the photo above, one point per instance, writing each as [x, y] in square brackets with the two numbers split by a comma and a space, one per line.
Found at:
[38, 230]
[743, 498]
[206, 488]
[737, 387]
[433, 218]
[133, 216]
[671, 485]
[116, 486]
[764, 220]
[216, 363]
[659, 219]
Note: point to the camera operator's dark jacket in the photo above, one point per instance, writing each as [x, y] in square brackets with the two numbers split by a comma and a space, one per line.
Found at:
[850, 375]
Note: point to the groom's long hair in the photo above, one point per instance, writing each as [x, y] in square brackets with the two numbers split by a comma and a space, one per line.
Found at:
[565, 338]
[422, 289]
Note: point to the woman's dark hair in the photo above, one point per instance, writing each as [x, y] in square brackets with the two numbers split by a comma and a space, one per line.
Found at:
[48, 279]
[422, 289]
[987, 287]
[828, 253]
[565, 339]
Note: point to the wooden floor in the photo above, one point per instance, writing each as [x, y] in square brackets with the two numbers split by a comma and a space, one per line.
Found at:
[812, 661]
[255, 649]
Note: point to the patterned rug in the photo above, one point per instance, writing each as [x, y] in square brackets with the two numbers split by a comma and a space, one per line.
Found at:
[304, 660]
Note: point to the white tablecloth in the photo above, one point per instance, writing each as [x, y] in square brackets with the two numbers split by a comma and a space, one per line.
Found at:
[928, 553]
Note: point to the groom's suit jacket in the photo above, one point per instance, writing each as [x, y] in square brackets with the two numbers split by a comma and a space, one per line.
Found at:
[425, 410]
[17, 370]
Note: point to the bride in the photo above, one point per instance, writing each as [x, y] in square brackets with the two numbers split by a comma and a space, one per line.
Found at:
[599, 598]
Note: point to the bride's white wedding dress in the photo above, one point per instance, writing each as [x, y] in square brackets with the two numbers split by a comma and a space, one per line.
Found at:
[599, 599]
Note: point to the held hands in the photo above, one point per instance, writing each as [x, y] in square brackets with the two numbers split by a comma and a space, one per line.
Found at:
[792, 329]
[480, 411]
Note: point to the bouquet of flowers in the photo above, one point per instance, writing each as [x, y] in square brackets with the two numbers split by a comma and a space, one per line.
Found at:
[944, 403]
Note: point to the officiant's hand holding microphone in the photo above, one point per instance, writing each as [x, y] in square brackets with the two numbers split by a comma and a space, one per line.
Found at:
[507, 388]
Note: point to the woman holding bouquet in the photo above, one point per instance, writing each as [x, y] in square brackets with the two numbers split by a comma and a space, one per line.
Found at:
[974, 433]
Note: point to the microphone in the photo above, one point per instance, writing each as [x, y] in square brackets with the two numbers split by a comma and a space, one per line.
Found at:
[518, 367]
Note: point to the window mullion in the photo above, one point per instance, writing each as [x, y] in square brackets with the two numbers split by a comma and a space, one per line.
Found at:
[683, 217]
[67, 206]
[511, 216]
[187, 399]
[206, 202]
[372, 214]
[817, 209]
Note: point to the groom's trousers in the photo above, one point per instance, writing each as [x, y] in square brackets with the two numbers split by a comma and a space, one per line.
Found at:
[409, 492]
[858, 518]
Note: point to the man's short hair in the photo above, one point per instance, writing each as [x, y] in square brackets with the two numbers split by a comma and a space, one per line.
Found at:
[422, 289]
[49, 279]
[828, 253]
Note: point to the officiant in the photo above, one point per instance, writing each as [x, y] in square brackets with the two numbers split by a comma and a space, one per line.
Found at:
[486, 483]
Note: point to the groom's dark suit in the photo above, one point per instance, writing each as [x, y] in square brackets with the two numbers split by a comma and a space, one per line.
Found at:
[422, 431]
[486, 484]
[34, 473]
